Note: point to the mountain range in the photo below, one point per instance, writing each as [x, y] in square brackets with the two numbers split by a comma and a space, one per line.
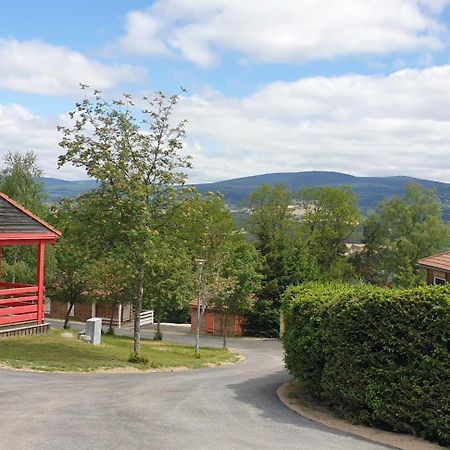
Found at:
[369, 190]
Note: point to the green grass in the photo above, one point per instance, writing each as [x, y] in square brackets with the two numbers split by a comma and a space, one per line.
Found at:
[53, 352]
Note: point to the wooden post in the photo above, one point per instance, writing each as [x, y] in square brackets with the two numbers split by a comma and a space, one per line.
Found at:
[40, 281]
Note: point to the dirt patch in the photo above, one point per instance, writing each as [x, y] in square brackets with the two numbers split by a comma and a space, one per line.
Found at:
[294, 398]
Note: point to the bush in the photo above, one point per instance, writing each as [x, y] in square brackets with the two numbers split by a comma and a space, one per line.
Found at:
[376, 356]
[136, 358]
[262, 321]
[158, 336]
[303, 335]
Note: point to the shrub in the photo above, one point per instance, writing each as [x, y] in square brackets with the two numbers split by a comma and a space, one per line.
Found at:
[376, 356]
[135, 358]
[262, 321]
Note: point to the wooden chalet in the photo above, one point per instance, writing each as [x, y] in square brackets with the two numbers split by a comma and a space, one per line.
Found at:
[437, 267]
[22, 305]
[212, 322]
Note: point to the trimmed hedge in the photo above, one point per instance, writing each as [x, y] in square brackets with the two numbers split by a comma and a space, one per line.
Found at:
[376, 356]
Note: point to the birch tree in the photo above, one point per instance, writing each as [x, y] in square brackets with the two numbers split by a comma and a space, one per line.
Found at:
[135, 155]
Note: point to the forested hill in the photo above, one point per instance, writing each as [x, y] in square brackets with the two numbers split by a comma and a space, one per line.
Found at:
[370, 190]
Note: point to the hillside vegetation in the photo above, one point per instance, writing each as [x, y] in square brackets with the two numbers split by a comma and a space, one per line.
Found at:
[369, 190]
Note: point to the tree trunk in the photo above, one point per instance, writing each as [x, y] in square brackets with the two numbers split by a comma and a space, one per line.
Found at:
[158, 326]
[66, 319]
[137, 314]
[225, 323]
[111, 318]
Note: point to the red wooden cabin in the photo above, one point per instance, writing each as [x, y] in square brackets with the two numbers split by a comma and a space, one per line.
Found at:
[23, 303]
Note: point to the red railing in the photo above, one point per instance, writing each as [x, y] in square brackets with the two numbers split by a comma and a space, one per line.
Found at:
[18, 303]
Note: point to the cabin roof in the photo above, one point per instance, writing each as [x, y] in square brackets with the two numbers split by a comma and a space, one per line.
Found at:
[441, 261]
[17, 220]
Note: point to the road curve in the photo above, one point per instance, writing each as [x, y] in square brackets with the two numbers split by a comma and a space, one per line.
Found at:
[233, 407]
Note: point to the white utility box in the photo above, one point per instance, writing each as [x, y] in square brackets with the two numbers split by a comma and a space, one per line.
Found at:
[94, 330]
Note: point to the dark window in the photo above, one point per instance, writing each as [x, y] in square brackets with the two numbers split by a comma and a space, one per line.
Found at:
[439, 281]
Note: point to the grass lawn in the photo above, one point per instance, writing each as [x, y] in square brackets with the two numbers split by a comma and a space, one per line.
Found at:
[53, 352]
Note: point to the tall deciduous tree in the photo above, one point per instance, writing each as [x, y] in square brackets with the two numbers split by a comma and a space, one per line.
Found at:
[271, 222]
[135, 154]
[286, 257]
[331, 216]
[19, 180]
[240, 280]
[401, 231]
[72, 257]
[170, 276]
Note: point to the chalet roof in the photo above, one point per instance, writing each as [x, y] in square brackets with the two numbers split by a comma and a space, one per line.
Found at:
[15, 219]
[441, 261]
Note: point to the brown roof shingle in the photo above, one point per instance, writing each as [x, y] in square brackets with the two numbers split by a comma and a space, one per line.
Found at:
[14, 218]
[440, 261]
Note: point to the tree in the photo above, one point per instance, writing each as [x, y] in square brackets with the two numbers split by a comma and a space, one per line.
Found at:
[240, 280]
[208, 233]
[271, 222]
[135, 155]
[228, 271]
[18, 180]
[398, 233]
[286, 257]
[68, 281]
[107, 279]
[171, 278]
[331, 216]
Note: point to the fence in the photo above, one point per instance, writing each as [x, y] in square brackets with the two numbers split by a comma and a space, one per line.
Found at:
[18, 303]
[147, 317]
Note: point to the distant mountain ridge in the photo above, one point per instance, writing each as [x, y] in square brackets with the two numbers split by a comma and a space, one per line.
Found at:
[370, 190]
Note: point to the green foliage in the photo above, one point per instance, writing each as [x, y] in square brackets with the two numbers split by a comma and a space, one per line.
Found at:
[158, 336]
[271, 223]
[136, 358]
[376, 356]
[331, 217]
[136, 157]
[262, 320]
[18, 180]
[400, 232]
[72, 256]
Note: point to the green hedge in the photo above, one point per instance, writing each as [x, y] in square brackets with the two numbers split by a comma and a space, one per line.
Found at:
[376, 356]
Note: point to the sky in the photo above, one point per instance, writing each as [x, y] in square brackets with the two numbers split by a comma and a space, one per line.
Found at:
[355, 86]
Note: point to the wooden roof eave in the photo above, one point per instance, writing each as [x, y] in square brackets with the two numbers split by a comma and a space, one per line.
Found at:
[432, 267]
[27, 238]
[25, 211]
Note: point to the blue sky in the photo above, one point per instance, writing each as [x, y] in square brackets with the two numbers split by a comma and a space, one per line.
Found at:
[358, 86]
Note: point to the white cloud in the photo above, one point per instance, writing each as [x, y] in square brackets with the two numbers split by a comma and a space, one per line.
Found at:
[364, 125]
[21, 130]
[283, 30]
[37, 67]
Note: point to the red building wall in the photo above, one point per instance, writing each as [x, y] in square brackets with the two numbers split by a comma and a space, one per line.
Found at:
[211, 322]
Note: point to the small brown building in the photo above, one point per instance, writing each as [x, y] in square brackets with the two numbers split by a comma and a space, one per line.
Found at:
[437, 267]
[82, 311]
[211, 322]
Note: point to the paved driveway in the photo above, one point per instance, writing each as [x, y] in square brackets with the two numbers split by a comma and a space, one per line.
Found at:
[233, 407]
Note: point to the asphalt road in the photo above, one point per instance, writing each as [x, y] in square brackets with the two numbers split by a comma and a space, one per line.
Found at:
[233, 407]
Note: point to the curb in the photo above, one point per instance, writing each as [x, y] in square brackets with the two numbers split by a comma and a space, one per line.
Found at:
[291, 395]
